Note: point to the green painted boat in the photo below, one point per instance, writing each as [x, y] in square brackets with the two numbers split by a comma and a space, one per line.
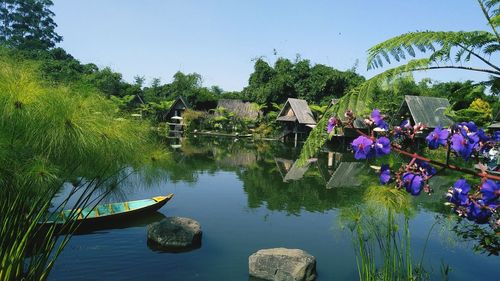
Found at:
[106, 214]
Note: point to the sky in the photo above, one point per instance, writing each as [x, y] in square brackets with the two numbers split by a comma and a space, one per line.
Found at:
[220, 39]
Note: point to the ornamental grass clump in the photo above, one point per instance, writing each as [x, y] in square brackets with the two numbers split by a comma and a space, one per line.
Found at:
[50, 137]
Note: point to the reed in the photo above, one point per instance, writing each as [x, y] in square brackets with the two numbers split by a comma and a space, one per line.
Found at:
[53, 136]
[381, 236]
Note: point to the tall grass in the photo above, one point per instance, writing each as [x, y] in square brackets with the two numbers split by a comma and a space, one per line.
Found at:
[381, 236]
[51, 135]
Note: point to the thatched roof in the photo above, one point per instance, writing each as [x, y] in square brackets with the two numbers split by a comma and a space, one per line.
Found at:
[296, 110]
[242, 109]
[426, 110]
[179, 104]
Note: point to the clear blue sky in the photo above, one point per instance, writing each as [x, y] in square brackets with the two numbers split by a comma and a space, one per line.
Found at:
[219, 38]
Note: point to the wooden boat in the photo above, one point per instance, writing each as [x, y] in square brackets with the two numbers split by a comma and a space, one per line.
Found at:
[105, 214]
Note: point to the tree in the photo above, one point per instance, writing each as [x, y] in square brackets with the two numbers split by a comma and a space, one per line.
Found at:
[446, 50]
[28, 24]
[107, 81]
[298, 79]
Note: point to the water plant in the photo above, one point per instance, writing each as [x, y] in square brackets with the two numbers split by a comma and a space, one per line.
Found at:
[381, 236]
[54, 137]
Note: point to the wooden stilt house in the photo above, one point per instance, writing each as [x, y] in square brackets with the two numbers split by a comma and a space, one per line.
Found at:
[297, 119]
[174, 116]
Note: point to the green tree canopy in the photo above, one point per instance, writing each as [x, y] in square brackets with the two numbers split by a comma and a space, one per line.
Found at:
[28, 24]
[286, 79]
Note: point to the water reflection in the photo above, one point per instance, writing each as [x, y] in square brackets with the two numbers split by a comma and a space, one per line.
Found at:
[270, 174]
[136, 221]
[272, 178]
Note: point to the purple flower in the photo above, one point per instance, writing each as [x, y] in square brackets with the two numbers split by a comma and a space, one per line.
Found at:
[496, 136]
[470, 126]
[376, 115]
[490, 191]
[405, 124]
[478, 212]
[413, 183]
[332, 122]
[428, 169]
[382, 124]
[362, 147]
[378, 120]
[464, 145]
[385, 174]
[460, 194]
[437, 137]
[382, 146]
[482, 135]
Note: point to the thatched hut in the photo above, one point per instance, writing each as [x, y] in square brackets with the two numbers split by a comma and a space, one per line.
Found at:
[297, 118]
[425, 110]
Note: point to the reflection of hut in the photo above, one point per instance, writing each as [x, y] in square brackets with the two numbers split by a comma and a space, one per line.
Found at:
[174, 116]
[425, 110]
[345, 172]
[346, 175]
[297, 118]
[290, 170]
[244, 110]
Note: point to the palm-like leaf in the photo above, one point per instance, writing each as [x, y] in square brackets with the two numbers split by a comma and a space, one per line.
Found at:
[447, 47]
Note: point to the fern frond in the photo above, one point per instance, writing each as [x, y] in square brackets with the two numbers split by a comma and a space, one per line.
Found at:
[463, 43]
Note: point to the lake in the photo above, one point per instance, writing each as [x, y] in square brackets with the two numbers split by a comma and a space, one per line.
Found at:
[249, 196]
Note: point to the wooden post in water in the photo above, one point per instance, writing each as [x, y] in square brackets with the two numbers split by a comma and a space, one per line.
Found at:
[330, 159]
[296, 134]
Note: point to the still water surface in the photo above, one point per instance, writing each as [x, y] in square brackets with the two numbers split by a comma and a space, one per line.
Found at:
[236, 190]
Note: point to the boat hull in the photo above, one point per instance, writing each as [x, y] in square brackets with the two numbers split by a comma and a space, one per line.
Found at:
[114, 220]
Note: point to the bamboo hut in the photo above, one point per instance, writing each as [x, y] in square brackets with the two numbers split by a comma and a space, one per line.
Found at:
[297, 118]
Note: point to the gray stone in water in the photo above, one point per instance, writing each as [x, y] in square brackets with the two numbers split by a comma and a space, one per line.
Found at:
[175, 233]
[281, 264]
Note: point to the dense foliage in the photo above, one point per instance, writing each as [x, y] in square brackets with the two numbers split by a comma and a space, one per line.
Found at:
[317, 84]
